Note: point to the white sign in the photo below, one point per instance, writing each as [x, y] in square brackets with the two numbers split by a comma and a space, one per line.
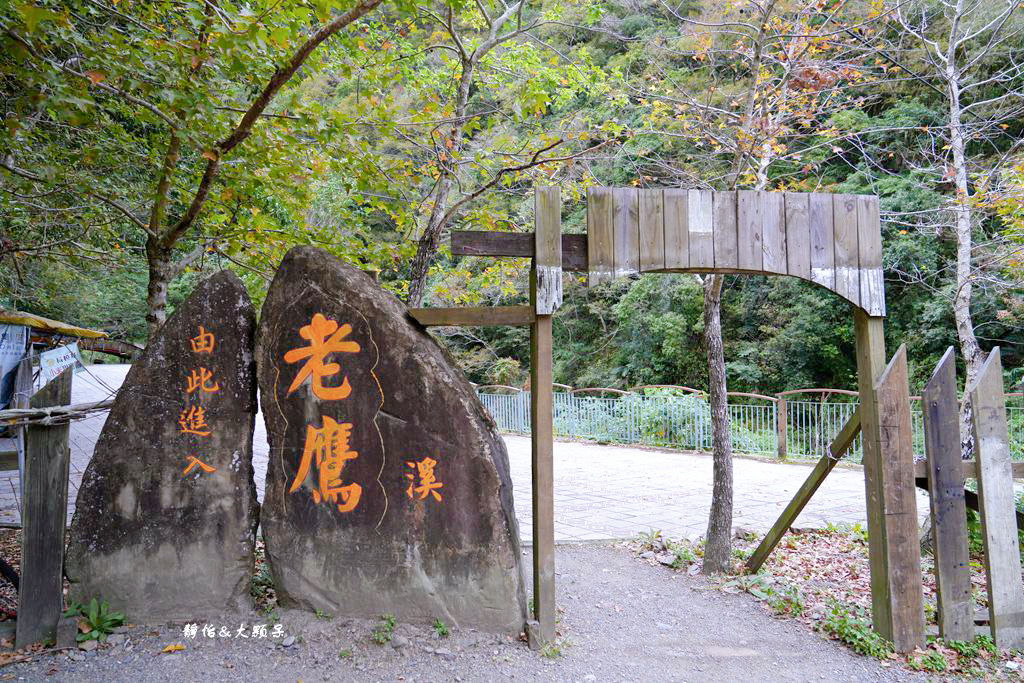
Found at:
[56, 361]
[13, 342]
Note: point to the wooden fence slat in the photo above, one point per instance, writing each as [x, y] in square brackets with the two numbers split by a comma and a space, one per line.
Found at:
[652, 230]
[676, 216]
[823, 256]
[774, 233]
[748, 229]
[600, 260]
[43, 520]
[547, 261]
[903, 550]
[724, 228]
[700, 223]
[626, 231]
[869, 250]
[847, 263]
[946, 499]
[22, 399]
[840, 445]
[995, 489]
[484, 243]
[798, 234]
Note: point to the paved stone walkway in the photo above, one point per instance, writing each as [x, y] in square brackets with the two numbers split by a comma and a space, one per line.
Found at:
[601, 492]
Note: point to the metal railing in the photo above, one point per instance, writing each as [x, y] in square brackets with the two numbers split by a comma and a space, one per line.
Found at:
[680, 417]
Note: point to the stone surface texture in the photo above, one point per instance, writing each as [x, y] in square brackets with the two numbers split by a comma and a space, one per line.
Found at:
[156, 542]
[361, 432]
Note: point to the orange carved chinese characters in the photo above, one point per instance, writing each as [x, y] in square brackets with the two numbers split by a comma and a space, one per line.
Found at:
[330, 445]
[196, 462]
[202, 379]
[203, 342]
[428, 479]
[324, 337]
[193, 421]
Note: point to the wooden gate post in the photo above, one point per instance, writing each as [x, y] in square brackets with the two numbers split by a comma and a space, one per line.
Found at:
[546, 297]
[946, 498]
[780, 425]
[895, 576]
[995, 492]
[44, 510]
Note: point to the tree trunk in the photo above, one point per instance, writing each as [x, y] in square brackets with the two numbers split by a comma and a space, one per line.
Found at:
[718, 544]
[159, 261]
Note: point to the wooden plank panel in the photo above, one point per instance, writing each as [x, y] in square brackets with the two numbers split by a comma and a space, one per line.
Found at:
[676, 216]
[798, 234]
[542, 435]
[869, 249]
[773, 233]
[847, 263]
[700, 224]
[941, 410]
[480, 315]
[970, 471]
[748, 229]
[547, 259]
[995, 489]
[724, 231]
[484, 243]
[903, 550]
[823, 250]
[626, 231]
[600, 261]
[840, 445]
[652, 231]
[43, 518]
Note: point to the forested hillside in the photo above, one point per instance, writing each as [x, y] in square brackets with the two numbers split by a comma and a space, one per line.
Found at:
[146, 144]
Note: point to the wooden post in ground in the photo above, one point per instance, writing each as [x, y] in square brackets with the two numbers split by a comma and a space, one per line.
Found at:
[44, 509]
[780, 425]
[995, 490]
[896, 467]
[546, 297]
[946, 497]
[20, 399]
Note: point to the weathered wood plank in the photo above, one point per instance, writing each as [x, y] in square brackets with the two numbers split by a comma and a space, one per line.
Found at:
[781, 431]
[542, 436]
[652, 231]
[473, 316]
[748, 229]
[798, 235]
[970, 471]
[838, 448]
[823, 254]
[677, 220]
[21, 399]
[773, 233]
[995, 489]
[903, 550]
[600, 235]
[847, 263]
[626, 237]
[700, 224]
[946, 499]
[43, 519]
[724, 229]
[521, 244]
[869, 250]
[547, 259]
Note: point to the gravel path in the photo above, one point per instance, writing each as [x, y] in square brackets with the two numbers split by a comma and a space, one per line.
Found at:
[623, 620]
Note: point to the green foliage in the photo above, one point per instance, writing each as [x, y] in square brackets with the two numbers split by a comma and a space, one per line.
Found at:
[384, 631]
[345, 653]
[931, 660]
[972, 649]
[261, 582]
[440, 628]
[321, 614]
[96, 620]
[853, 628]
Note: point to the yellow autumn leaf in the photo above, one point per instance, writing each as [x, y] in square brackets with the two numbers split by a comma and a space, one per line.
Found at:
[96, 76]
[176, 647]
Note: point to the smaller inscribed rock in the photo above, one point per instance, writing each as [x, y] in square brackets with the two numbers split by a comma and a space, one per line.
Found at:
[165, 522]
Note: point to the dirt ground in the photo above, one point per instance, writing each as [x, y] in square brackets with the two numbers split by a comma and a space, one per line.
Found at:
[620, 619]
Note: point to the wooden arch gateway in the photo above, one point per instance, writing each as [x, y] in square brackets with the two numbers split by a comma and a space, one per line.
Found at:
[831, 240]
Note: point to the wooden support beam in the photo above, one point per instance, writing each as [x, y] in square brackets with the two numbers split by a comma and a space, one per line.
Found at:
[946, 498]
[781, 430]
[896, 467]
[22, 399]
[521, 244]
[995, 489]
[970, 470]
[43, 520]
[547, 259]
[467, 317]
[838, 448]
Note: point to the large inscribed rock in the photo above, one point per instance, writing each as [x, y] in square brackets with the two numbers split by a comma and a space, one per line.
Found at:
[388, 489]
[166, 518]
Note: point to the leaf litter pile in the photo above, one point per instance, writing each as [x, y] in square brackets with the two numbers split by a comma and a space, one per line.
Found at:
[822, 579]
